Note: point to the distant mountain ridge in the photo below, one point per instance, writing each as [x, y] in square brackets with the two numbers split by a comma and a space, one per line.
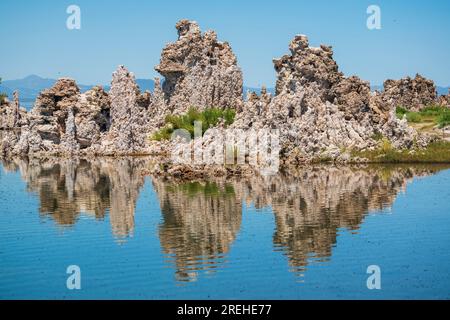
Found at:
[30, 87]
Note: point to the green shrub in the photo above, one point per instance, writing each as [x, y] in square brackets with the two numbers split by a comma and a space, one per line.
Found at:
[413, 117]
[433, 111]
[436, 152]
[444, 119]
[209, 118]
[385, 145]
[400, 112]
[440, 115]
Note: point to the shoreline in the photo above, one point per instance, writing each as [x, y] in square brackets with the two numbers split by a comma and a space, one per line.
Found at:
[158, 166]
[317, 113]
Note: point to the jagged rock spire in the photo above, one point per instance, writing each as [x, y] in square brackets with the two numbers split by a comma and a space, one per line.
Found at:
[129, 114]
[199, 71]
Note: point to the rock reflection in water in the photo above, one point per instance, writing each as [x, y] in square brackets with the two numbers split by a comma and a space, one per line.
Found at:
[199, 223]
[67, 188]
[311, 205]
[201, 220]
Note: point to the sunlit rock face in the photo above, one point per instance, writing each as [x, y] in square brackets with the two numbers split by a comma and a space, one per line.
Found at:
[318, 111]
[44, 128]
[62, 121]
[65, 122]
[12, 115]
[12, 119]
[129, 116]
[92, 116]
[199, 71]
[410, 93]
[48, 117]
[70, 188]
[444, 100]
[313, 72]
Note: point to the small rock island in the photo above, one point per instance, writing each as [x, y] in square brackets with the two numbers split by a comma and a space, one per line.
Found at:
[321, 114]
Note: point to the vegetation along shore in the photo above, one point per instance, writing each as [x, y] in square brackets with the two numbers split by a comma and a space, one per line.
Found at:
[320, 115]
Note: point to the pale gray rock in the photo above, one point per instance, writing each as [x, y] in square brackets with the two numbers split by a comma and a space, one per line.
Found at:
[444, 100]
[69, 142]
[199, 71]
[92, 116]
[318, 111]
[129, 131]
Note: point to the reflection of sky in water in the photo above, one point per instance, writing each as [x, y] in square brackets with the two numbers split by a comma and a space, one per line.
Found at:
[304, 235]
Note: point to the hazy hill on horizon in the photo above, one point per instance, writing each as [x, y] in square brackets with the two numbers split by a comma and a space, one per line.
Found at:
[30, 87]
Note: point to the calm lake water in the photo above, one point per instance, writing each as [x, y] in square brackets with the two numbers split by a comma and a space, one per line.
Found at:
[303, 234]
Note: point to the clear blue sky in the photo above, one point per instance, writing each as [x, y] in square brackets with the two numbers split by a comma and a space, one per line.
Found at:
[414, 36]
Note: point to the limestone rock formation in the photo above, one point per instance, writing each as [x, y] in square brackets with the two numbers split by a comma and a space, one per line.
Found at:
[199, 71]
[158, 110]
[411, 94]
[444, 100]
[318, 111]
[65, 122]
[352, 96]
[307, 67]
[69, 141]
[92, 116]
[49, 116]
[11, 114]
[129, 116]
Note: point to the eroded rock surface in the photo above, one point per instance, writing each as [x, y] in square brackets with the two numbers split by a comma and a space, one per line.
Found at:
[319, 112]
[410, 93]
[444, 100]
[92, 116]
[199, 71]
[12, 115]
[64, 121]
[129, 129]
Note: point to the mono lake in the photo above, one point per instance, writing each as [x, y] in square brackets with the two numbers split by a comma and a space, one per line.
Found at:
[303, 234]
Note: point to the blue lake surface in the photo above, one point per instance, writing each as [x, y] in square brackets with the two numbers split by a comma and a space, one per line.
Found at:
[307, 234]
